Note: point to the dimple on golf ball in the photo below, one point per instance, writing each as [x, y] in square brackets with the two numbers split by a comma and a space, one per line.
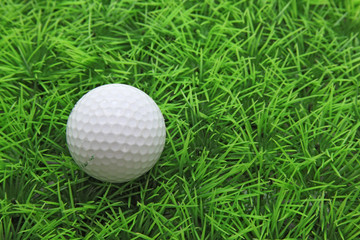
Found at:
[116, 133]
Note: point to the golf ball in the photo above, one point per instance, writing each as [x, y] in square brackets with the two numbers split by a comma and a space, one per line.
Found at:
[115, 133]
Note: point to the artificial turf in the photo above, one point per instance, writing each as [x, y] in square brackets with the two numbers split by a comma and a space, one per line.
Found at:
[261, 103]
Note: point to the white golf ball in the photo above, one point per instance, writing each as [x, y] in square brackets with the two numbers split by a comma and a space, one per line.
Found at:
[116, 133]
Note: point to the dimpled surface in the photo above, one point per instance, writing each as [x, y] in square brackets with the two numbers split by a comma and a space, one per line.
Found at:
[115, 133]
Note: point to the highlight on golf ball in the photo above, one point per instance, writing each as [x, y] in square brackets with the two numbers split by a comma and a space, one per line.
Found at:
[116, 133]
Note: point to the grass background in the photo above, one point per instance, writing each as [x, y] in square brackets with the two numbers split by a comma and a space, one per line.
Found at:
[261, 101]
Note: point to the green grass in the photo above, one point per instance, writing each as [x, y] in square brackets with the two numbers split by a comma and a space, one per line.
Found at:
[261, 102]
